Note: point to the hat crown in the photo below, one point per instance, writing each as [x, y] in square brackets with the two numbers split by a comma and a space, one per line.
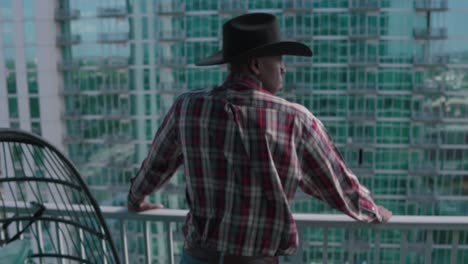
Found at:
[249, 31]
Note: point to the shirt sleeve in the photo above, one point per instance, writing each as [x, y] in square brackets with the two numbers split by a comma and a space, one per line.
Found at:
[326, 177]
[163, 159]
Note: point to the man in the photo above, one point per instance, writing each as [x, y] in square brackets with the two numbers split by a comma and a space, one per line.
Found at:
[245, 151]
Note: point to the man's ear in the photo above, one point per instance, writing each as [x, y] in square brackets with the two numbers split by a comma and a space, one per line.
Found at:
[254, 66]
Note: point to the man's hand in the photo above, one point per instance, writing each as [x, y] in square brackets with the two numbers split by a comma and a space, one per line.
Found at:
[385, 213]
[144, 206]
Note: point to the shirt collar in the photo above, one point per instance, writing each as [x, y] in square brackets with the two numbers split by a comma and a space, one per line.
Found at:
[243, 81]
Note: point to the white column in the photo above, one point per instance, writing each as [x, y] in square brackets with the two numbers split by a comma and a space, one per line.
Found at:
[49, 79]
[4, 118]
[20, 66]
[140, 104]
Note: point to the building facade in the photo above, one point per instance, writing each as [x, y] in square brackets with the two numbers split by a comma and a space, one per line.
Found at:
[388, 80]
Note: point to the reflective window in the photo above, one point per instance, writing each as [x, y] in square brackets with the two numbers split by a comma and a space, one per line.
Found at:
[329, 105]
[13, 107]
[31, 58]
[28, 8]
[330, 51]
[331, 78]
[9, 56]
[394, 106]
[5, 9]
[391, 159]
[7, 33]
[390, 184]
[393, 132]
[11, 82]
[202, 26]
[36, 128]
[32, 82]
[198, 50]
[29, 32]
[396, 51]
[395, 79]
[34, 107]
[202, 5]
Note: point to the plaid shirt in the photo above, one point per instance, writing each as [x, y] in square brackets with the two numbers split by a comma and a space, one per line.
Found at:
[245, 152]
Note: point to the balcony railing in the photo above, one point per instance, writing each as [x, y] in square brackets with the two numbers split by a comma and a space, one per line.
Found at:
[298, 33]
[172, 35]
[68, 65]
[428, 88]
[171, 87]
[170, 8]
[66, 40]
[363, 61]
[298, 61]
[233, 6]
[112, 11]
[176, 61]
[431, 5]
[423, 169]
[430, 33]
[362, 115]
[113, 37]
[116, 113]
[425, 142]
[364, 5]
[114, 88]
[298, 5]
[113, 63]
[427, 116]
[362, 88]
[359, 141]
[323, 238]
[66, 14]
[362, 170]
[430, 61]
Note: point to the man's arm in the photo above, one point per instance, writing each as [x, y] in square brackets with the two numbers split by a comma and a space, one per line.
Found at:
[163, 159]
[326, 177]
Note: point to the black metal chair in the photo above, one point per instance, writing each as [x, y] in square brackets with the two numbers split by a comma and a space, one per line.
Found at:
[47, 213]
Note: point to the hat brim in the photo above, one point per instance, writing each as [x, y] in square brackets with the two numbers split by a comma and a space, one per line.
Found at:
[271, 49]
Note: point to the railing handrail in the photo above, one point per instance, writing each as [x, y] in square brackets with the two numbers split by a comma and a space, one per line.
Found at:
[328, 220]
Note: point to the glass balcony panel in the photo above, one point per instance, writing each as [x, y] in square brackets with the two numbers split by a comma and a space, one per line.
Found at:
[113, 37]
[364, 5]
[363, 61]
[299, 33]
[67, 40]
[172, 35]
[65, 14]
[429, 87]
[423, 168]
[362, 88]
[113, 63]
[364, 33]
[298, 5]
[430, 5]
[111, 11]
[362, 115]
[430, 61]
[69, 65]
[170, 8]
[228, 6]
[427, 116]
[430, 33]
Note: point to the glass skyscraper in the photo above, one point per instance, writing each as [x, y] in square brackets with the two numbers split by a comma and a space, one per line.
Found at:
[389, 79]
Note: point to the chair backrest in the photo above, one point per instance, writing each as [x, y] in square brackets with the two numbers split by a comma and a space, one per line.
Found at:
[46, 209]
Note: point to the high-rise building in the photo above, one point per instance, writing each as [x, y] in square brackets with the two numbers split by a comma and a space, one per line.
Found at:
[388, 79]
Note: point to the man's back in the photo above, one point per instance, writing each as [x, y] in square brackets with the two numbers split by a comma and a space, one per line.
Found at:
[239, 146]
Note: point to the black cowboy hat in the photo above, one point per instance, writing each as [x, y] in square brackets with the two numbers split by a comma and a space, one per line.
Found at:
[253, 35]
